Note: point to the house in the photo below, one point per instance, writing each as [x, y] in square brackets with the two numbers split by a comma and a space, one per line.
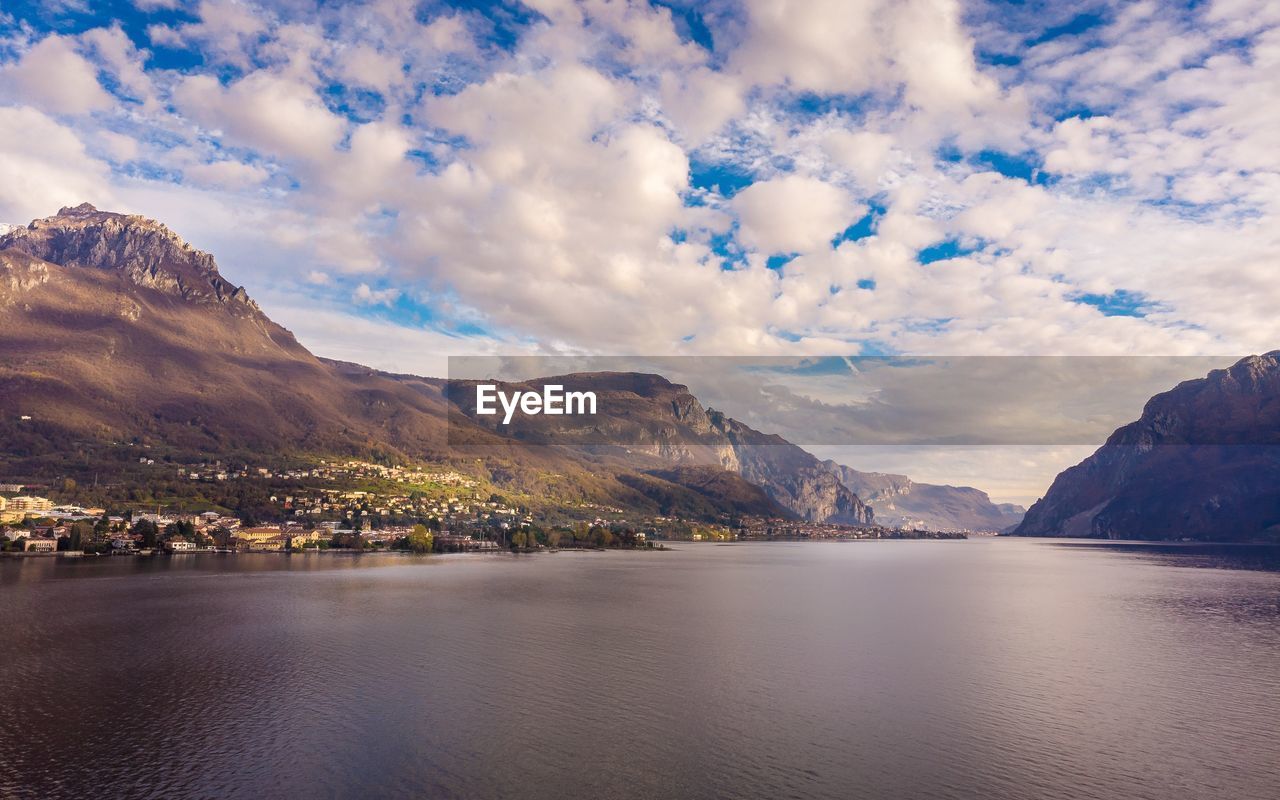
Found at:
[260, 539]
[275, 544]
[28, 503]
[39, 544]
[180, 546]
[301, 539]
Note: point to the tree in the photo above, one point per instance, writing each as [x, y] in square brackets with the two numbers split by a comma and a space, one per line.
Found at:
[553, 538]
[183, 529]
[519, 541]
[222, 536]
[81, 532]
[148, 531]
[420, 539]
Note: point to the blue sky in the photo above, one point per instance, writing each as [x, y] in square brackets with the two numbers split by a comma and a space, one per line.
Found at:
[399, 181]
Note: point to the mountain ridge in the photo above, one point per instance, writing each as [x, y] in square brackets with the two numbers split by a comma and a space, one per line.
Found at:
[901, 501]
[1201, 462]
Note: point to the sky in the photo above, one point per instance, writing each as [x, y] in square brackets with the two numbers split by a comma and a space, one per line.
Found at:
[399, 182]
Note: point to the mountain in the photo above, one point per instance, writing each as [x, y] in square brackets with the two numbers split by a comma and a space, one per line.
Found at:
[900, 501]
[114, 328]
[115, 332]
[1202, 462]
[647, 415]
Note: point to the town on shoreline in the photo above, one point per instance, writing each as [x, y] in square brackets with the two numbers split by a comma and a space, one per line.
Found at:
[351, 506]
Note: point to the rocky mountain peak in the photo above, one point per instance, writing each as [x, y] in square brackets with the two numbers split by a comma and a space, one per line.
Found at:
[144, 251]
[80, 210]
[1200, 463]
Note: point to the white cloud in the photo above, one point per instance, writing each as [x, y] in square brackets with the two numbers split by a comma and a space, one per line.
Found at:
[226, 174]
[53, 76]
[547, 188]
[279, 116]
[793, 214]
[844, 47]
[372, 297]
[123, 61]
[44, 166]
[116, 146]
[227, 30]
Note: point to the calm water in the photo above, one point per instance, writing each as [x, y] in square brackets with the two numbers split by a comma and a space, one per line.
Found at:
[979, 669]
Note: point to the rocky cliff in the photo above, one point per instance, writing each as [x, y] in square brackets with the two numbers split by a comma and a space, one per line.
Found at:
[1202, 462]
[900, 501]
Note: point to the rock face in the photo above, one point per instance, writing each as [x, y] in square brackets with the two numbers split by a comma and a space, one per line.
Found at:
[647, 414]
[900, 501]
[1202, 462]
[792, 476]
[143, 250]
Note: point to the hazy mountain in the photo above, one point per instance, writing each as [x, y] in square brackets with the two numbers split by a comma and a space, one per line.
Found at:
[900, 501]
[114, 331]
[1203, 462]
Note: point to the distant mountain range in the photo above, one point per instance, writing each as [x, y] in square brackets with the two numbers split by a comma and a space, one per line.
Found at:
[115, 330]
[902, 502]
[1202, 462]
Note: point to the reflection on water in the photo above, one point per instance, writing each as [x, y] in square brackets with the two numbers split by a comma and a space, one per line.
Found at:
[1193, 554]
[986, 668]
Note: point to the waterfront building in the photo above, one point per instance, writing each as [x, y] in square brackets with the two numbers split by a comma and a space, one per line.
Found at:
[40, 544]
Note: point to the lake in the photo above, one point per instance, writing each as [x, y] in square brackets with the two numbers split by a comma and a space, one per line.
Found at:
[988, 668]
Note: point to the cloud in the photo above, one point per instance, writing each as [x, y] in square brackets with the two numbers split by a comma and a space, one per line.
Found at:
[227, 30]
[593, 178]
[278, 116]
[371, 297]
[226, 174]
[868, 46]
[793, 214]
[123, 61]
[44, 166]
[56, 78]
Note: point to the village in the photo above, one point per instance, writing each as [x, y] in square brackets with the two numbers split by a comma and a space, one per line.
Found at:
[394, 508]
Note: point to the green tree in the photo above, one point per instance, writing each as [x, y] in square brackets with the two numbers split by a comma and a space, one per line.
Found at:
[183, 529]
[81, 532]
[421, 540]
[148, 531]
[222, 536]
